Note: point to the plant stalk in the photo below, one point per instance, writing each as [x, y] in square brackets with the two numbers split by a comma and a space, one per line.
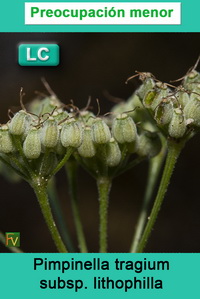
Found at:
[174, 150]
[18, 145]
[66, 157]
[58, 212]
[13, 168]
[71, 169]
[155, 165]
[40, 189]
[104, 186]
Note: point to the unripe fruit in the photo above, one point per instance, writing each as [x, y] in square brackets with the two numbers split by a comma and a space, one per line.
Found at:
[148, 84]
[86, 116]
[32, 144]
[164, 112]
[19, 123]
[177, 126]
[154, 97]
[191, 79]
[45, 105]
[6, 144]
[59, 115]
[50, 133]
[71, 133]
[113, 153]
[87, 148]
[149, 98]
[149, 145]
[60, 149]
[191, 83]
[192, 111]
[182, 98]
[124, 129]
[100, 132]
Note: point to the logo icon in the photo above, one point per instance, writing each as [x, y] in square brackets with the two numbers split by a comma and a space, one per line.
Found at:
[38, 54]
[12, 239]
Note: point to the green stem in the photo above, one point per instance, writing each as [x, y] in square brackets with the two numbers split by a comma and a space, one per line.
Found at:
[40, 189]
[58, 212]
[174, 150]
[155, 166]
[18, 145]
[12, 249]
[71, 169]
[121, 168]
[20, 167]
[13, 168]
[69, 152]
[104, 186]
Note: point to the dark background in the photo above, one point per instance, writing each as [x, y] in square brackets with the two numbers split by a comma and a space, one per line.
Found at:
[90, 64]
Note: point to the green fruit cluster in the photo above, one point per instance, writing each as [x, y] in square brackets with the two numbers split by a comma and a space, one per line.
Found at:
[49, 126]
[132, 128]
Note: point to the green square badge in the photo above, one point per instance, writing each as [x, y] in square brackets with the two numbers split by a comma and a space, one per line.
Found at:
[12, 239]
[38, 55]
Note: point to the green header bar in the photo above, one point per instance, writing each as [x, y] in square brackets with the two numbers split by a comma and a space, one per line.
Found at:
[13, 19]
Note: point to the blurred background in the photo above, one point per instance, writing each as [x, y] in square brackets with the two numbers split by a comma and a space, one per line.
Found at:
[93, 64]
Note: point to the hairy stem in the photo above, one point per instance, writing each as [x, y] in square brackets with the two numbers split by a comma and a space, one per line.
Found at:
[15, 161]
[13, 168]
[40, 189]
[155, 166]
[174, 149]
[66, 157]
[18, 145]
[57, 210]
[71, 169]
[104, 186]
